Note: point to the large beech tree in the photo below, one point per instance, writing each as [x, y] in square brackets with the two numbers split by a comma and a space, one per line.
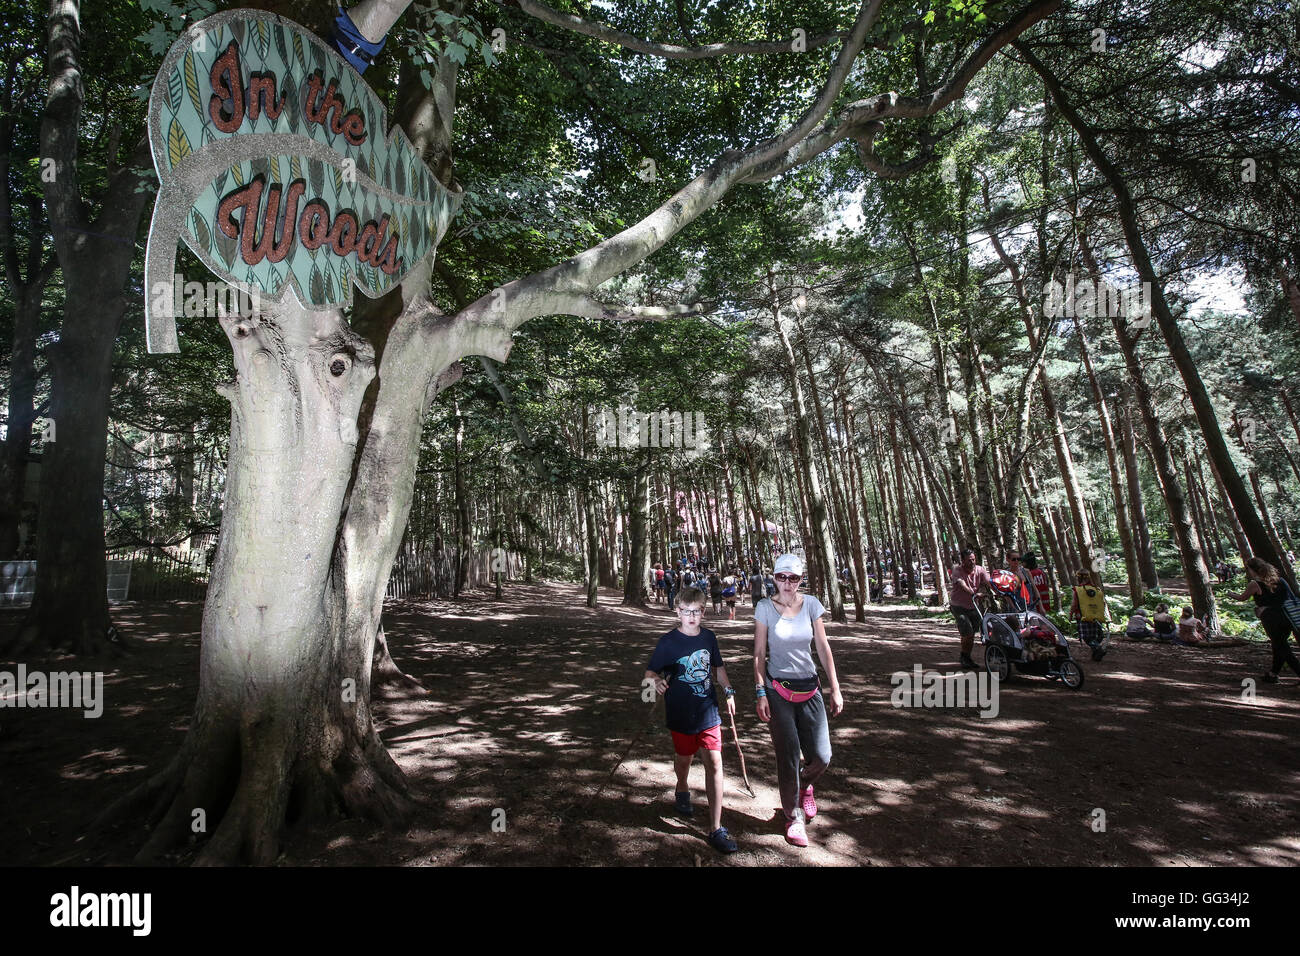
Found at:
[325, 433]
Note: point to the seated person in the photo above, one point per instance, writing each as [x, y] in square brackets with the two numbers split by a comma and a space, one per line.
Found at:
[1163, 623]
[1138, 627]
[1191, 630]
[1192, 633]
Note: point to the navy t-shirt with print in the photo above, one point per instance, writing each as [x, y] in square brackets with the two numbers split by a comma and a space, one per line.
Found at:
[689, 663]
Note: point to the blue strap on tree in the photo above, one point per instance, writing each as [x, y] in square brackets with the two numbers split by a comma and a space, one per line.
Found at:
[354, 48]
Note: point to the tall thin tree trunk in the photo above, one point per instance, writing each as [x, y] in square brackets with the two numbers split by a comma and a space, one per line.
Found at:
[1137, 507]
[1112, 458]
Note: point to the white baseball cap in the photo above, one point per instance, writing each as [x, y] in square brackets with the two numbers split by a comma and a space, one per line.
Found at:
[789, 564]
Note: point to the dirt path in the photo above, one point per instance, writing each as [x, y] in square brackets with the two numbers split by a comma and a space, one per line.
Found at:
[535, 700]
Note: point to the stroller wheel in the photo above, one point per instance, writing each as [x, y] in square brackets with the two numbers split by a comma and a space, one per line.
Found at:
[996, 661]
[1071, 675]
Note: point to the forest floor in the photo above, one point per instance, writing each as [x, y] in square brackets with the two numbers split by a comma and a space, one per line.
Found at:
[535, 710]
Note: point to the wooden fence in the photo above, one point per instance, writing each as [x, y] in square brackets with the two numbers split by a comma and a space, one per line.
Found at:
[433, 574]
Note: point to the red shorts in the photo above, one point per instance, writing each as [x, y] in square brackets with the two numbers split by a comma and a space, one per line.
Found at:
[686, 744]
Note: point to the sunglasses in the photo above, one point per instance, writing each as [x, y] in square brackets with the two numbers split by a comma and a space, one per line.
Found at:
[791, 578]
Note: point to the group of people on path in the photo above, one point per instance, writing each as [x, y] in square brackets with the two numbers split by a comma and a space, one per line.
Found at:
[720, 587]
[686, 665]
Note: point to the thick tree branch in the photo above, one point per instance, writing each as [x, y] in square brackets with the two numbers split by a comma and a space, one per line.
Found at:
[669, 51]
[547, 292]
[860, 120]
[591, 308]
[61, 121]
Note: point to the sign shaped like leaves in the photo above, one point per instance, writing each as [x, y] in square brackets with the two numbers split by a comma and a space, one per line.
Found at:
[277, 173]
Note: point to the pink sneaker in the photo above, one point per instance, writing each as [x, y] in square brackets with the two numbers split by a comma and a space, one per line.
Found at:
[808, 803]
[794, 831]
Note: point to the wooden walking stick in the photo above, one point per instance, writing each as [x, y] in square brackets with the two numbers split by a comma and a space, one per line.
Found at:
[736, 738]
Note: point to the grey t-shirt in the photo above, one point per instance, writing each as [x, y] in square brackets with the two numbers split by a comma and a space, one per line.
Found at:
[789, 640]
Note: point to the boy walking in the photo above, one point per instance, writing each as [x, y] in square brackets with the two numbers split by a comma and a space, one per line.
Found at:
[690, 657]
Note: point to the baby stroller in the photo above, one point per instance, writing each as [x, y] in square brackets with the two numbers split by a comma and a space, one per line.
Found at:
[1027, 639]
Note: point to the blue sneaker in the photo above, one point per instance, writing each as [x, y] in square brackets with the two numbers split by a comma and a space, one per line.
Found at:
[721, 841]
[684, 807]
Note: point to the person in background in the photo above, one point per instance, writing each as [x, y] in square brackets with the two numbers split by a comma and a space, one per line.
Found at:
[1036, 574]
[1088, 606]
[1191, 629]
[1138, 627]
[1271, 594]
[715, 592]
[729, 585]
[968, 579]
[1163, 623]
[1014, 566]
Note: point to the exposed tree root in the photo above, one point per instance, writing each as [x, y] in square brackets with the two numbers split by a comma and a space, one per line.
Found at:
[385, 676]
[252, 782]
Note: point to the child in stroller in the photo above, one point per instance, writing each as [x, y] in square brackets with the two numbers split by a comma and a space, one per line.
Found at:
[1025, 638]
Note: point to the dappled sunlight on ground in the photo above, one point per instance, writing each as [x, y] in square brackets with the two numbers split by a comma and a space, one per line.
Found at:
[533, 720]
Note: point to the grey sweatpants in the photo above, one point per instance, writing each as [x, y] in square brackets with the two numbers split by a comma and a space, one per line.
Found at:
[795, 728]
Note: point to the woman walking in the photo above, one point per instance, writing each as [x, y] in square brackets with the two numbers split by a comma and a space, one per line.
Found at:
[1271, 594]
[789, 694]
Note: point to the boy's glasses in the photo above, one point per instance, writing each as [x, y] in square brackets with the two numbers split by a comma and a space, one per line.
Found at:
[697, 611]
[788, 578]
